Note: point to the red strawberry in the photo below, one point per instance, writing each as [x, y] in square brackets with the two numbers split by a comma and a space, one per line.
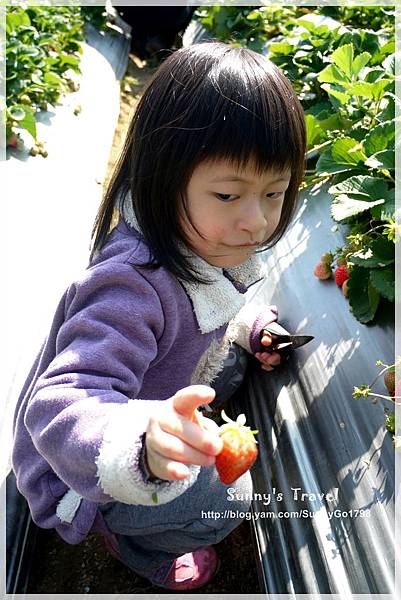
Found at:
[239, 449]
[322, 271]
[389, 381]
[340, 275]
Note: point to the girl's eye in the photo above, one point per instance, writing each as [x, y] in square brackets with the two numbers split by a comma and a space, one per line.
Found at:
[226, 197]
[274, 194]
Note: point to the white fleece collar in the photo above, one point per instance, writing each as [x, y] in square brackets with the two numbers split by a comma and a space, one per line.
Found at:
[214, 304]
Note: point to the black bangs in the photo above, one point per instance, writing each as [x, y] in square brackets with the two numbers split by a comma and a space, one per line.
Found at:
[207, 102]
[250, 114]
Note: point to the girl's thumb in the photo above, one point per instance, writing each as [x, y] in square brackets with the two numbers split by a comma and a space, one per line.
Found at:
[186, 400]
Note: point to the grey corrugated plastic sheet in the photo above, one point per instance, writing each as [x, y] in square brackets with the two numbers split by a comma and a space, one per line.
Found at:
[314, 437]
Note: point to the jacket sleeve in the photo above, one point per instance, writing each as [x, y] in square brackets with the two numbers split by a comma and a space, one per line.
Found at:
[249, 323]
[83, 414]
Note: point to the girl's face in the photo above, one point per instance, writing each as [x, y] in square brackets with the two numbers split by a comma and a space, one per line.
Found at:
[233, 210]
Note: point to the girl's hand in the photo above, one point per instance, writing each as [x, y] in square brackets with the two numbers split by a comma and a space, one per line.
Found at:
[180, 435]
[269, 360]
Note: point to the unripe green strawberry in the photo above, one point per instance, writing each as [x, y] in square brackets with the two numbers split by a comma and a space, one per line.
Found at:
[327, 258]
[25, 99]
[239, 449]
[322, 271]
[389, 381]
[345, 289]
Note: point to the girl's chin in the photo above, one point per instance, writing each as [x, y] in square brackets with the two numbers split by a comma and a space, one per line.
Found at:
[225, 262]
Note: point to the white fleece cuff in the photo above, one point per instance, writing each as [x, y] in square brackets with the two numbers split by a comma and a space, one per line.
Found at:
[118, 461]
[244, 322]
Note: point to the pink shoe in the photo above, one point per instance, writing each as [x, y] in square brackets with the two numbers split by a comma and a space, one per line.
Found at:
[189, 571]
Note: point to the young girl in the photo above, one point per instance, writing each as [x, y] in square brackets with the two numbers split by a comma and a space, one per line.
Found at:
[107, 433]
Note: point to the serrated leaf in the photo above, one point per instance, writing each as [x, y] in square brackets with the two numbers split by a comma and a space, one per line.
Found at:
[362, 88]
[363, 186]
[332, 74]
[344, 207]
[382, 160]
[347, 150]
[379, 138]
[377, 254]
[360, 62]
[327, 165]
[385, 210]
[373, 91]
[389, 64]
[341, 96]
[314, 134]
[363, 297]
[343, 57]
[383, 281]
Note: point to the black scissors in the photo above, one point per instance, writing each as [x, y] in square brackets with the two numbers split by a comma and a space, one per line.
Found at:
[282, 341]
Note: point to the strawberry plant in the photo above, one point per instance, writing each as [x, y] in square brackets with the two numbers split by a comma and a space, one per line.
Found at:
[340, 61]
[42, 58]
[388, 376]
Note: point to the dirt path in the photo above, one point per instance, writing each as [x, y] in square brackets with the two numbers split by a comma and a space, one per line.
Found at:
[137, 76]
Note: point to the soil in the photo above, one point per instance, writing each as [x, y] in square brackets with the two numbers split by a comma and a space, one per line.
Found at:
[88, 568]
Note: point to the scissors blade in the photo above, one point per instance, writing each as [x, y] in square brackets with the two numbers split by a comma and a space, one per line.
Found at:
[300, 340]
[281, 336]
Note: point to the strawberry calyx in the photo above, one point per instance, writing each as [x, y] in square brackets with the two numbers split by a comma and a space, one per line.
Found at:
[239, 423]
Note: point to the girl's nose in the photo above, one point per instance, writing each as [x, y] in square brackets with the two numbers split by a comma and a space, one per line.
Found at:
[253, 219]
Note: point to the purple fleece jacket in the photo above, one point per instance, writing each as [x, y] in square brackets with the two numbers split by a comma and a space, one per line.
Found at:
[122, 341]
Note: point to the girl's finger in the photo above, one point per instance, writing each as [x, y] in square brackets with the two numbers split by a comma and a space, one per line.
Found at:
[203, 440]
[164, 468]
[266, 339]
[173, 448]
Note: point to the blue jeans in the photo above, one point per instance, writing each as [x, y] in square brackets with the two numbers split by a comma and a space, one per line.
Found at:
[149, 535]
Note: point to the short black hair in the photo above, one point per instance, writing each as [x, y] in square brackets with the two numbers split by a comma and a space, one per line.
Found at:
[207, 101]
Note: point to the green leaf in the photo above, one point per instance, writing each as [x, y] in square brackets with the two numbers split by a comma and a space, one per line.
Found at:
[379, 253]
[344, 207]
[341, 96]
[382, 160]
[385, 210]
[373, 91]
[361, 88]
[360, 62]
[29, 123]
[363, 297]
[327, 165]
[281, 48]
[383, 280]
[363, 186]
[389, 64]
[312, 21]
[313, 131]
[331, 74]
[53, 78]
[343, 57]
[358, 194]
[379, 138]
[347, 150]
